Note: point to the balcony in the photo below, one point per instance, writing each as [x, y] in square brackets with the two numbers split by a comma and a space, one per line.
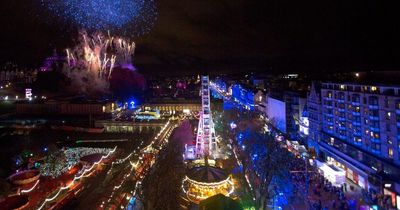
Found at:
[342, 119]
[375, 151]
[355, 123]
[342, 128]
[328, 123]
[356, 113]
[328, 99]
[358, 134]
[341, 110]
[340, 100]
[397, 111]
[328, 115]
[373, 106]
[354, 103]
[374, 129]
[375, 140]
[374, 118]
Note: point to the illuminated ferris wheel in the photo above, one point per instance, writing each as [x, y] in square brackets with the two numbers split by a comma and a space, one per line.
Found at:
[205, 140]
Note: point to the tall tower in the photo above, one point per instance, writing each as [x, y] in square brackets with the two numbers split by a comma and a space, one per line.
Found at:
[205, 139]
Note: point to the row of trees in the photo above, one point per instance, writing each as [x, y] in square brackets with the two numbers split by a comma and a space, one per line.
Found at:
[264, 160]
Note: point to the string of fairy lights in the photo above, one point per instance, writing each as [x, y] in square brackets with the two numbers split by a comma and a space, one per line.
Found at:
[30, 189]
[77, 177]
[139, 163]
[157, 144]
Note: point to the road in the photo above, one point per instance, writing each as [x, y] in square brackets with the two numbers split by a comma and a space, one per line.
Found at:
[112, 181]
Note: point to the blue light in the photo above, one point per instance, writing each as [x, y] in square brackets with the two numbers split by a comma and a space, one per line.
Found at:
[45, 149]
[132, 103]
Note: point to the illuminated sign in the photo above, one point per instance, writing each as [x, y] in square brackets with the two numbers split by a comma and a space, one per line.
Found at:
[28, 93]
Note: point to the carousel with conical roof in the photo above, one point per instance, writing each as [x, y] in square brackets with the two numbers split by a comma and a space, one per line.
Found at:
[203, 179]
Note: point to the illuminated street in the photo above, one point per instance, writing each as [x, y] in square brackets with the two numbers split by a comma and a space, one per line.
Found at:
[199, 105]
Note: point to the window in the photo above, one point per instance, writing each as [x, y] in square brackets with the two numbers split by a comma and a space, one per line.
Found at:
[390, 153]
[373, 100]
[376, 147]
[374, 112]
[389, 140]
[386, 103]
[374, 88]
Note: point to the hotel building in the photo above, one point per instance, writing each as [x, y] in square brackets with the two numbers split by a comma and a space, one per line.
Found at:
[357, 128]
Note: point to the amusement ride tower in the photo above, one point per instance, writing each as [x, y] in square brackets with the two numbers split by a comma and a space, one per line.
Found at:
[205, 138]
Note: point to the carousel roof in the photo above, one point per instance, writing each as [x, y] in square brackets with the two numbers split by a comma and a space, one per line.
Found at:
[207, 174]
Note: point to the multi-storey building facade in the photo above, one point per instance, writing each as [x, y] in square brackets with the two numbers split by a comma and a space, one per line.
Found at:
[314, 116]
[295, 102]
[244, 95]
[357, 127]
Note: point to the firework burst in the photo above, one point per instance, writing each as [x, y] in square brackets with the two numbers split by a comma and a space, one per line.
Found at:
[91, 62]
[134, 16]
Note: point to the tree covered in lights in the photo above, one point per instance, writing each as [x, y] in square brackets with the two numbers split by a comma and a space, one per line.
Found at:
[55, 165]
[264, 156]
[59, 162]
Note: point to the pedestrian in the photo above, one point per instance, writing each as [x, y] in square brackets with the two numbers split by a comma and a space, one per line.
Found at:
[319, 204]
[334, 204]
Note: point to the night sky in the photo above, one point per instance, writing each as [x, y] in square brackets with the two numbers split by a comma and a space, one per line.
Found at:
[231, 36]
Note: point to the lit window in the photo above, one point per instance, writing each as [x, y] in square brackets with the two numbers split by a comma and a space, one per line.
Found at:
[342, 87]
[373, 88]
[390, 152]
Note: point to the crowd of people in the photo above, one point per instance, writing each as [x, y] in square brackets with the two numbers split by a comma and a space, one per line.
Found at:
[320, 194]
[316, 190]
